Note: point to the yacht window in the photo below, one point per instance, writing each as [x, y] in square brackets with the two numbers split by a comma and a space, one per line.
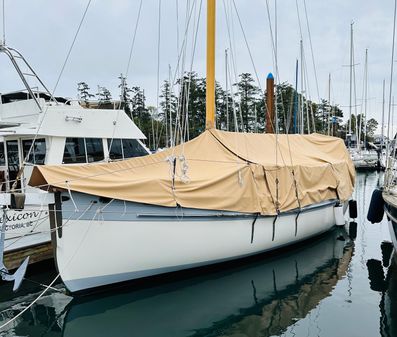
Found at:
[13, 161]
[115, 149]
[37, 155]
[132, 148]
[94, 148]
[2, 155]
[74, 151]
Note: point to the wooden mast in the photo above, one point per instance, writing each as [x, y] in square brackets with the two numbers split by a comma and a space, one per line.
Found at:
[210, 87]
[270, 103]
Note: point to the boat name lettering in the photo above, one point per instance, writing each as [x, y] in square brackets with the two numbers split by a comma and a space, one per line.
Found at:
[19, 225]
[23, 216]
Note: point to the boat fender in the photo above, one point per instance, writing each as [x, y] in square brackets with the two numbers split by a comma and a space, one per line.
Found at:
[353, 209]
[375, 210]
[339, 217]
[17, 201]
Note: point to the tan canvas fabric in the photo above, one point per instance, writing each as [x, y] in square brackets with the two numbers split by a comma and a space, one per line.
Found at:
[220, 171]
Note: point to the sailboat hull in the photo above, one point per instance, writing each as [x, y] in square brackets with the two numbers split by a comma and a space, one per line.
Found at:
[391, 213]
[126, 241]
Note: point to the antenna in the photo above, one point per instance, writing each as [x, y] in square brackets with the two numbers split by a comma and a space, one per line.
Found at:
[4, 25]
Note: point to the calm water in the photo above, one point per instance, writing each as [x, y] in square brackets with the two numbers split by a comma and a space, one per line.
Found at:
[336, 285]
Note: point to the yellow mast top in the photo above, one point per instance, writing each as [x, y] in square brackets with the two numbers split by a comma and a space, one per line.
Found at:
[210, 87]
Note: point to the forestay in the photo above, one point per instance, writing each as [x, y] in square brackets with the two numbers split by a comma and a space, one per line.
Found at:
[220, 171]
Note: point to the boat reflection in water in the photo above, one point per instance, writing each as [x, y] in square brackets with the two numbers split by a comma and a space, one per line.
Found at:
[262, 298]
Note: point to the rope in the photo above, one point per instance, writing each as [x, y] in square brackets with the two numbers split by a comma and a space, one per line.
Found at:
[55, 279]
[65, 224]
[71, 197]
[31, 304]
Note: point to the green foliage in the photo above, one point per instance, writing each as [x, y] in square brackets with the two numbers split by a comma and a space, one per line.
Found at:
[83, 93]
[181, 116]
[104, 96]
[367, 129]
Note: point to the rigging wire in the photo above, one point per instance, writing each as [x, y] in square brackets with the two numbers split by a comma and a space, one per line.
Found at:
[158, 70]
[275, 127]
[311, 49]
[355, 95]
[247, 45]
[4, 24]
[177, 30]
[291, 167]
[179, 126]
[180, 57]
[194, 45]
[133, 39]
[53, 93]
[230, 32]
[391, 84]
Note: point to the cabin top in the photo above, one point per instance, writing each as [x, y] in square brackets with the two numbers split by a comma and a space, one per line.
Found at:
[20, 115]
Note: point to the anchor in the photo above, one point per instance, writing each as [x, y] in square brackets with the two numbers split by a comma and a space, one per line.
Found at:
[19, 274]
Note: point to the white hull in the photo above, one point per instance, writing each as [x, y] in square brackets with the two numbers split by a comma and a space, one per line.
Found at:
[96, 253]
[30, 226]
[365, 159]
[26, 228]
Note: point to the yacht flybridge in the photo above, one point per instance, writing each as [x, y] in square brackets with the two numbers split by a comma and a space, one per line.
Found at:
[37, 128]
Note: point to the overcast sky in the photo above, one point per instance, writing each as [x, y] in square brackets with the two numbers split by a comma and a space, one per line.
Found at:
[43, 31]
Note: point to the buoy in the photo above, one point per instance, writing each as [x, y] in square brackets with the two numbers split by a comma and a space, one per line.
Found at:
[339, 218]
[375, 210]
[353, 209]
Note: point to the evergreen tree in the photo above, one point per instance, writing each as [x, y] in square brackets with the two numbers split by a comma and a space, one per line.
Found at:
[125, 95]
[168, 105]
[247, 94]
[191, 108]
[83, 93]
[104, 96]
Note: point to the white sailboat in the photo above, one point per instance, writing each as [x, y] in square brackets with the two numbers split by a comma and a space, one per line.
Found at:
[367, 155]
[218, 197]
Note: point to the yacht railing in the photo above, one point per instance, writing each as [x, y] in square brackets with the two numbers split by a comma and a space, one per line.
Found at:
[14, 56]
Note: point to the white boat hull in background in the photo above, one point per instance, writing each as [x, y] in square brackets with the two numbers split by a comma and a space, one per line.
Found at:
[27, 227]
[95, 253]
[365, 159]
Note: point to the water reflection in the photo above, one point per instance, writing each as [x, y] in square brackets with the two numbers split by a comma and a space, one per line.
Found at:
[261, 298]
[287, 294]
[386, 284]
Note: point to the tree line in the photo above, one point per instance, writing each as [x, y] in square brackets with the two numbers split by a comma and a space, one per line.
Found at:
[180, 115]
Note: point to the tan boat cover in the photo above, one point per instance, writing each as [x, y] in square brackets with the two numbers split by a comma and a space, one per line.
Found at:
[220, 170]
